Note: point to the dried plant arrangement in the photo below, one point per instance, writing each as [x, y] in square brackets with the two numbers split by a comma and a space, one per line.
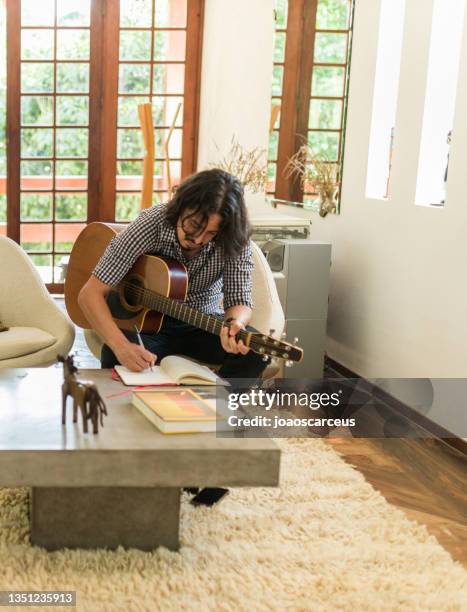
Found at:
[248, 165]
[310, 167]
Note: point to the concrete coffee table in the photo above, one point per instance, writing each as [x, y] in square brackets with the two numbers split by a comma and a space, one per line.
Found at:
[121, 486]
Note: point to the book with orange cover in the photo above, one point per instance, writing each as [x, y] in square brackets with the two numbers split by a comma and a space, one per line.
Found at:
[176, 411]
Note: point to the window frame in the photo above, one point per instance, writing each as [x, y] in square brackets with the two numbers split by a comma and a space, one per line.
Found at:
[297, 94]
[103, 107]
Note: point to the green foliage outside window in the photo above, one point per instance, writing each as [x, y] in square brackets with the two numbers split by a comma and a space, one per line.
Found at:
[2, 208]
[330, 48]
[37, 110]
[130, 168]
[71, 110]
[325, 144]
[273, 144]
[39, 260]
[36, 207]
[63, 247]
[128, 205]
[333, 14]
[68, 206]
[2, 146]
[37, 78]
[71, 207]
[37, 246]
[279, 46]
[281, 13]
[73, 78]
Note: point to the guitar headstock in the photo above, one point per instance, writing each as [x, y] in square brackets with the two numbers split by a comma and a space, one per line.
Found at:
[272, 347]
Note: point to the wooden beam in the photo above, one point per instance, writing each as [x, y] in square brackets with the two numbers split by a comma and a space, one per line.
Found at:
[95, 112]
[298, 67]
[192, 87]
[109, 110]
[13, 134]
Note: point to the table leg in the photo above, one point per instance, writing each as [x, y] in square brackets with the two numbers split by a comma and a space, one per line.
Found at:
[105, 517]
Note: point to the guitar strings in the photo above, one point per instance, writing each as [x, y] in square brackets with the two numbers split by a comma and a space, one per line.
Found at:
[254, 344]
[141, 291]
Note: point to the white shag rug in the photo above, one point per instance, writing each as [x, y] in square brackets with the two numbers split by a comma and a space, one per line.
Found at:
[324, 540]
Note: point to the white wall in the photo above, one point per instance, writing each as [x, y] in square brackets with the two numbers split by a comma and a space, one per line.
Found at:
[398, 291]
[398, 298]
[236, 76]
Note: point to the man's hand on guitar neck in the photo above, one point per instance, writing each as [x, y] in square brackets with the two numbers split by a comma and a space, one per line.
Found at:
[133, 356]
[228, 340]
[237, 317]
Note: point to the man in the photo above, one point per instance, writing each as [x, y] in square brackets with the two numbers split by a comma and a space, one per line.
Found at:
[205, 227]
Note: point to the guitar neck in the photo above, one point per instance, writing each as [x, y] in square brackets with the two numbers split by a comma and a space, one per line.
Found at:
[260, 343]
[183, 312]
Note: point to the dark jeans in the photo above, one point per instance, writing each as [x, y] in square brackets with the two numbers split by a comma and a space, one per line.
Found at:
[177, 338]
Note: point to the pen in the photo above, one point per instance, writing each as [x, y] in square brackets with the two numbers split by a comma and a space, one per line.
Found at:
[140, 342]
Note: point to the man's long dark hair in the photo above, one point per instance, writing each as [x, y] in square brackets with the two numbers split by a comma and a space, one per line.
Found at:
[214, 191]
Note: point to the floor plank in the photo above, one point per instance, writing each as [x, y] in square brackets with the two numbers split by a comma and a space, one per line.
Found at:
[423, 478]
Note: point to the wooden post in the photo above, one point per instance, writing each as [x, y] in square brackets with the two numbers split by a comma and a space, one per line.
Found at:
[166, 151]
[147, 128]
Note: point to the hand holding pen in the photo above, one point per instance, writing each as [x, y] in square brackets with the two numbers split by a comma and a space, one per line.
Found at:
[140, 342]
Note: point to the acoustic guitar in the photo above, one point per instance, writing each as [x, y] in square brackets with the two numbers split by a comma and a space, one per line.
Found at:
[155, 286]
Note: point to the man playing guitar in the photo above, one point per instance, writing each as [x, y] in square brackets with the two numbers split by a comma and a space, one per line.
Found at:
[205, 226]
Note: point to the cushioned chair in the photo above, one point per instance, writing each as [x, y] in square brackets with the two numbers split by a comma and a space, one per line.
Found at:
[267, 313]
[37, 329]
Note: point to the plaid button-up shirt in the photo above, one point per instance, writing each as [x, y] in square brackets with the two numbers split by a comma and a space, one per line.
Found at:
[211, 274]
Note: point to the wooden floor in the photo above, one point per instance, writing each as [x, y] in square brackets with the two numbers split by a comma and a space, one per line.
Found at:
[424, 478]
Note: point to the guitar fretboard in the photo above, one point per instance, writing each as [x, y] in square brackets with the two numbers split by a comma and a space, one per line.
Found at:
[178, 310]
[265, 345]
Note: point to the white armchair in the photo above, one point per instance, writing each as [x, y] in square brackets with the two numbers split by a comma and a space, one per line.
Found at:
[267, 313]
[38, 329]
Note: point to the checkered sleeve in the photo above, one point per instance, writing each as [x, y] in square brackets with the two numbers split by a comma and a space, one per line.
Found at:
[238, 280]
[139, 237]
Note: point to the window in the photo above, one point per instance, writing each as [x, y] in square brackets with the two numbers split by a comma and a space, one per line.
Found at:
[386, 88]
[152, 51]
[310, 83]
[280, 35]
[440, 100]
[3, 212]
[76, 72]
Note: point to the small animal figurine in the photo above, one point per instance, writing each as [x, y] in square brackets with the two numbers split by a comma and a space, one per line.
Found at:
[85, 396]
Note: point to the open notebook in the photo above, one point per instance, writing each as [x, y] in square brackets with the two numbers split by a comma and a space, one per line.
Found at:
[173, 370]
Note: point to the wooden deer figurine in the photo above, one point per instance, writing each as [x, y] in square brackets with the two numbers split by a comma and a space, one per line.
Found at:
[85, 396]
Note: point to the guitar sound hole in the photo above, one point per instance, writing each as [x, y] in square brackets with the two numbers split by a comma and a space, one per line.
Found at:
[133, 292]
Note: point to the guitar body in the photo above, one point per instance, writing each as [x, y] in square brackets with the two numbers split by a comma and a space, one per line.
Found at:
[164, 276]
